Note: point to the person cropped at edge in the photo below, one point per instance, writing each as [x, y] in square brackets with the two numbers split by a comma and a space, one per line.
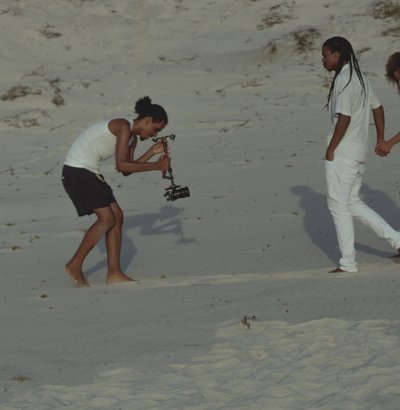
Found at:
[393, 77]
[350, 101]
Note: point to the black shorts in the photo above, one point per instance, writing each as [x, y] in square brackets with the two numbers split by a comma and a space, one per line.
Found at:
[87, 190]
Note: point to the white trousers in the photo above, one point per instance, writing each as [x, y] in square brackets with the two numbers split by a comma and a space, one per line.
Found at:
[343, 181]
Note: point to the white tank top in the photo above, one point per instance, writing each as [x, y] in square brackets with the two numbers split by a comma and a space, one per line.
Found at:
[93, 145]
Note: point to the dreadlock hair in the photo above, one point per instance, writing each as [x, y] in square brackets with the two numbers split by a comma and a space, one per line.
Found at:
[145, 108]
[346, 55]
[392, 65]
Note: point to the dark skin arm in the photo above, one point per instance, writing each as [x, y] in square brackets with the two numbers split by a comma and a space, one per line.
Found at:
[384, 147]
[379, 120]
[124, 154]
[340, 129]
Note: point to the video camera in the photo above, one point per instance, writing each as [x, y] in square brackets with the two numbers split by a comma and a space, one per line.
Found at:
[173, 192]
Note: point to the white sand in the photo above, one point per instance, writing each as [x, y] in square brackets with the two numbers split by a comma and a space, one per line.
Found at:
[255, 239]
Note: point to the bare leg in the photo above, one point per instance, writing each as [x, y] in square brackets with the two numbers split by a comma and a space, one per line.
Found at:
[113, 244]
[105, 221]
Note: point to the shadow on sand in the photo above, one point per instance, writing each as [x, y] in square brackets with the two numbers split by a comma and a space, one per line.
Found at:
[319, 226]
[165, 222]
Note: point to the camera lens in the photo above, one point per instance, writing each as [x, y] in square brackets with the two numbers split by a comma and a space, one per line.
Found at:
[183, 192]
[177, 193]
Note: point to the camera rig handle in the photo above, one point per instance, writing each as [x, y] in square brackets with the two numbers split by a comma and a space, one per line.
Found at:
[167, 174]
[173, 192]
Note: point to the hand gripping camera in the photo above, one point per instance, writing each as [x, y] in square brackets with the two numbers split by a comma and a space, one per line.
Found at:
[173, 192]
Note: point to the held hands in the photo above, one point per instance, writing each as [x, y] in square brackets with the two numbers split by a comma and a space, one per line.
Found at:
[382, 148]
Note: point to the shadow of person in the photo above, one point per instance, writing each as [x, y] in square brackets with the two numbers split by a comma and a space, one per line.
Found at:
[317, 220]
[387, 208]
[165, 222]
[319, 225]
[383, 204]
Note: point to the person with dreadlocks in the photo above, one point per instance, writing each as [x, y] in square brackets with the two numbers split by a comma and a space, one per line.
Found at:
[350, 100]
[393, 77]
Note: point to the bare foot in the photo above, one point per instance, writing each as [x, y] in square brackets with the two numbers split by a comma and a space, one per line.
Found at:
[397, 255]
[118, 277]
[337, 270]
[77, 276]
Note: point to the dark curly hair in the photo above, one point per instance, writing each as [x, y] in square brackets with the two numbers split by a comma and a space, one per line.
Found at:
[392, 65]
[145, 108]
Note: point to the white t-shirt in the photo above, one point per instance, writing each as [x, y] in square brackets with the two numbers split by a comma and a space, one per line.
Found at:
[93, 145]
[351, 100]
